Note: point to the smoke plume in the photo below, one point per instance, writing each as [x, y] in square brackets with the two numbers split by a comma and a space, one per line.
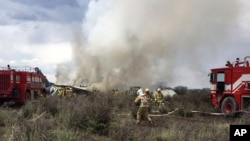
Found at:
[123, 43]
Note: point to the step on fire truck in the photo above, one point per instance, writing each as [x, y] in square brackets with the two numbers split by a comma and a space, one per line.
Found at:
[230, 87]
[20, 85]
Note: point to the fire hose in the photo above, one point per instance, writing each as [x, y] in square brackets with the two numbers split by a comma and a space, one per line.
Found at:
[198, 112]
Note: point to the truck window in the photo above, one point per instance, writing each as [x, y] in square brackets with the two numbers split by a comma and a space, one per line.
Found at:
[28, 78]
[247, 85]
[18, 79]
[211, 77]
[36, 79]
[11, 77]
[221, 77]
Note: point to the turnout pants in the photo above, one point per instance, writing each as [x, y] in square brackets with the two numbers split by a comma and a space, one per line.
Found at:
[143, 112]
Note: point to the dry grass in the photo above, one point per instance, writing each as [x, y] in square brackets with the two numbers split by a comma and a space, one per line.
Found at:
[110, 118]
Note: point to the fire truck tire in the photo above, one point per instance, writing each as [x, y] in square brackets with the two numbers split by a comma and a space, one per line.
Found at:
[229, 106]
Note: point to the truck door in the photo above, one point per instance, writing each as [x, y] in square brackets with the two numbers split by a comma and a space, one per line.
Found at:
[220, 88]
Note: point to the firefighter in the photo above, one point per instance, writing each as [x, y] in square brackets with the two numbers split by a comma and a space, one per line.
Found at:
[150, 98]
[148, 94]
[68, 92]
[159, 99]
[143, 110]
[116, 92]
[59, 92]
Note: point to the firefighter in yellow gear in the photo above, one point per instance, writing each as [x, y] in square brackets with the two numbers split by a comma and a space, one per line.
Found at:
[159, 99]
[150, 98]
[59, 92]
[149, 95]
[143, 110]
[115, 92]
[68, 92]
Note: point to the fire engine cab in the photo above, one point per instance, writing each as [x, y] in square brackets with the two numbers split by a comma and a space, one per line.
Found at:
[20, 85]
[230, 86]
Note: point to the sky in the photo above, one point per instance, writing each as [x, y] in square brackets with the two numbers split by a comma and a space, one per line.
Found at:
[121, 43]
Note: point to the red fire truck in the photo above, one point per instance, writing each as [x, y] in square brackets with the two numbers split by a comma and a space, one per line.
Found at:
[20, 85]
[230, 87]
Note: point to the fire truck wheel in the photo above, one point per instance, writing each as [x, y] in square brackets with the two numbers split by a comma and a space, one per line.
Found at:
[229, 106]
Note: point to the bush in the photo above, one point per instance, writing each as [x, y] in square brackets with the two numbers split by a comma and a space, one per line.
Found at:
[91, 113]
[196, 99]
[56, 118]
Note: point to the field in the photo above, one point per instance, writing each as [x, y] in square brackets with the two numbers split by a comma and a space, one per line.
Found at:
[105, 117]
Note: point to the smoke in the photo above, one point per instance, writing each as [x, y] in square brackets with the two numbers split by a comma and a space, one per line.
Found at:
[123, 43]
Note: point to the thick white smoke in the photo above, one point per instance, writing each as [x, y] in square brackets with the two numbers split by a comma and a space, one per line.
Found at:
[125, 42]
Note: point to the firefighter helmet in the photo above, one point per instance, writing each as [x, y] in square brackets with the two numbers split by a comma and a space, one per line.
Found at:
[159, 89]
[147, 90]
